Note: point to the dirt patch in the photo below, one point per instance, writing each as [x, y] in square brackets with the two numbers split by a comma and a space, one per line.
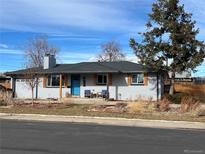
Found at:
[118, 108]
[101, 111]
[44, 105]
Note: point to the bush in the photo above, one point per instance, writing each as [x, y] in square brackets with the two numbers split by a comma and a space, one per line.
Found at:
[175, 98]
[141, 107]
[5, 98]
[164, 105]
[189, 103]
[136, 107]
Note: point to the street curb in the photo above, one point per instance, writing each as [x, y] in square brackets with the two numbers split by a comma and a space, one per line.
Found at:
[106, 121]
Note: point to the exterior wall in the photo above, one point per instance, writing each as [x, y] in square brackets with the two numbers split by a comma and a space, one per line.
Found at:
[118, 90]
[24, 91]
[134, 92]
[50, 92]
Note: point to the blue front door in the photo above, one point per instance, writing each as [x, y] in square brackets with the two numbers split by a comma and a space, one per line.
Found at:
[75, 85]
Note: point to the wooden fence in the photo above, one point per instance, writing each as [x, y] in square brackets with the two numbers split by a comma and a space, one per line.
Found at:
[6, 85]
[197, 90]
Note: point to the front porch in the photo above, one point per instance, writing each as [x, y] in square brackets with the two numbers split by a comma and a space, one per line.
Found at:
[59, 86]
[80, 85]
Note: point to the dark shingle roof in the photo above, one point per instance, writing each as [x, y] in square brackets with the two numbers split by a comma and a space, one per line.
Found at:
[89, 67]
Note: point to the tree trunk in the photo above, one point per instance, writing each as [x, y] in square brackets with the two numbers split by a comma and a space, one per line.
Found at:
[36, 85]
[32, 89]
[171, 90]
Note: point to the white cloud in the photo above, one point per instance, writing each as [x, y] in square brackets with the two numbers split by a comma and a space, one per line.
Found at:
[11, 51]
[44, 15]
[73, 37]
[133, 59]
[74, 57]
[3, 46]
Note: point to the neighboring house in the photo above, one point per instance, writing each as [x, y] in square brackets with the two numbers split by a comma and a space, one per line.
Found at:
[184, 76]
[123, 80]
[5, 81]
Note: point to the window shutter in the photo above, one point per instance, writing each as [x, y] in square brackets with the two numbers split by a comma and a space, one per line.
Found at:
[129, 79]
[45, 81]
[109, 79]
[69, 80]
[65, 77]
[145, 79]
[95, 79]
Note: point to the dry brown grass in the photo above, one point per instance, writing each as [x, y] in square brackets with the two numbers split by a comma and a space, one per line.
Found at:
[43, 105]
[7, 85]
[5, 98]
[189, 104]
[191, 89]
[164, 105]
[82, 110]
[141, 107]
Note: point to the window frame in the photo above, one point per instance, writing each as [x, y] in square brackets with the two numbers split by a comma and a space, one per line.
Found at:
[51, 77]
[137, 82]
[104, 76]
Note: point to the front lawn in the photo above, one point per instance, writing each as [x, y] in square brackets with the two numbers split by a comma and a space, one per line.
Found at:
[84, 110]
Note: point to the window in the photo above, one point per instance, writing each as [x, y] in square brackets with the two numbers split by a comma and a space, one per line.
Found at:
[138, 78]
[54, 81]
[102, 79]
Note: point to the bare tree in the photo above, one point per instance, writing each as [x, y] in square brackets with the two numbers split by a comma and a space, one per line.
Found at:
[111, 51]
[31, 80]
[35, 51]
[36, 48]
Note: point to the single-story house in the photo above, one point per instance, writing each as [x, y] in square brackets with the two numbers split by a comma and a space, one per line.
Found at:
[121, 80]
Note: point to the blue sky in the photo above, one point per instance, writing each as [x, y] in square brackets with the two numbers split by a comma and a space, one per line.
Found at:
[78, 27]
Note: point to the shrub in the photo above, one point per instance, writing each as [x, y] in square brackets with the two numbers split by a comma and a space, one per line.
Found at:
[141, 107]
[136, 107]
[164, 105]
[189, 103]
[5, 98]
[151, 107]
[175, 98]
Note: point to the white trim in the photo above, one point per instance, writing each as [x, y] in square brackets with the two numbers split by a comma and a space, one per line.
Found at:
[137, 83]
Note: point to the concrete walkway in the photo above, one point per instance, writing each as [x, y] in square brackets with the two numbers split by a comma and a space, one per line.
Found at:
[106, 121]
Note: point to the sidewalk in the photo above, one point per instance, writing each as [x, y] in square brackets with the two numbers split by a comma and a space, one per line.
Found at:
[106, 121]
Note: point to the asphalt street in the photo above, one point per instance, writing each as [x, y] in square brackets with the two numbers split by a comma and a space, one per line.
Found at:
[21, 137]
